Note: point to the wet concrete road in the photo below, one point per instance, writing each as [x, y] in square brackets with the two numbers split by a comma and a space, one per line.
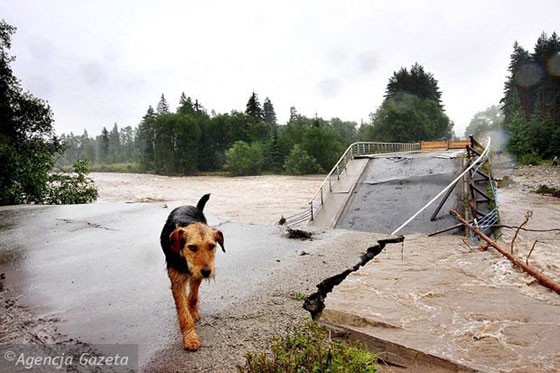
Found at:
[393, 188]
[100, 270]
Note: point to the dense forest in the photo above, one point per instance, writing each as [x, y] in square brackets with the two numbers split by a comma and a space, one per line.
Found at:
[189, 140]
[527, 124]
[531, 102]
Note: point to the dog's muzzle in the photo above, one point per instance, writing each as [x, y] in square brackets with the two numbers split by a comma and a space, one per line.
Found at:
[205, 272]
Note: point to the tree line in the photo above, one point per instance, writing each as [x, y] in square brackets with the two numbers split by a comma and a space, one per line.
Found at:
[527, 123]
[188, 140]
[531, 101]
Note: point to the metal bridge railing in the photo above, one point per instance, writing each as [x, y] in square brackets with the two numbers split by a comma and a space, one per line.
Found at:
[487, 222]
[357, 149]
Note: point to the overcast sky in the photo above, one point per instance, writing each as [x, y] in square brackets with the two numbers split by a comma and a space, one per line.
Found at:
[100, 62]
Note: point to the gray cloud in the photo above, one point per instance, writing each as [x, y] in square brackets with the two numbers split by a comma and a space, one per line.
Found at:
[119, 57]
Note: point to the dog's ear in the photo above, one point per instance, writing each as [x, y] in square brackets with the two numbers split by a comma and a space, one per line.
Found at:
[219, 236]
[177, 240]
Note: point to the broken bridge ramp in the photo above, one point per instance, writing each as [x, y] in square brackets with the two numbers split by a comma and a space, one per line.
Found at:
[393, 187]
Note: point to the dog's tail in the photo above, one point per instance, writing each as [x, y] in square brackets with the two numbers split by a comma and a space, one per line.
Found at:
[202, 202]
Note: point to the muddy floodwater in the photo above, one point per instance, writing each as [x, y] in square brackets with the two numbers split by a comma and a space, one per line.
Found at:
[251, 199]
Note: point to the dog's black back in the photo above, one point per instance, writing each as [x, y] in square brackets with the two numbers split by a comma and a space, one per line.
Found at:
[181, 217]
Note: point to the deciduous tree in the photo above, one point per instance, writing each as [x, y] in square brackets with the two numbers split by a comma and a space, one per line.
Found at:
[27, 140]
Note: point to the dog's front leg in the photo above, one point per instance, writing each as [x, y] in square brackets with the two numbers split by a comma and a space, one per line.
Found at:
[186, 322]
[193, 299]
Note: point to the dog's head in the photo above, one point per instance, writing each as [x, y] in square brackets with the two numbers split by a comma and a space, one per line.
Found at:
[196, 243]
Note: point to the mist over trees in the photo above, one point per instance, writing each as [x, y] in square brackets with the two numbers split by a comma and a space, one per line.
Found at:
[531, 101]
[485, 122]
[189, 141]
[411, 111]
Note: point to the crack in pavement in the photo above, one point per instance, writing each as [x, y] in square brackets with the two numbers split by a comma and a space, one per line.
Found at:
[89, 224]
[315, 303]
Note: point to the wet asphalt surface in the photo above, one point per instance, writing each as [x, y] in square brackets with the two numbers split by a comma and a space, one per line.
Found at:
[99, 269]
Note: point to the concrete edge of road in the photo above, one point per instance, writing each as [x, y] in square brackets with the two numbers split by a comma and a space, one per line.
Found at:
[334, 205]
[396, 357]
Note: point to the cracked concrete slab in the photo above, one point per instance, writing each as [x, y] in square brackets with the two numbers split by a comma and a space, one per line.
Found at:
[393, 187]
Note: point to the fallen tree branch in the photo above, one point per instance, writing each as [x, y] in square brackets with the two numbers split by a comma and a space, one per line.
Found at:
[528, 216]
[541, 278]
[530, 252]
[525, 229]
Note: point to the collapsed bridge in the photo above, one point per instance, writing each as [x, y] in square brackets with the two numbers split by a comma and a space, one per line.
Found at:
[375, 187]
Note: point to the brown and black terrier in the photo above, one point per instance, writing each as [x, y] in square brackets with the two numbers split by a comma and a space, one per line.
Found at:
[189, 245]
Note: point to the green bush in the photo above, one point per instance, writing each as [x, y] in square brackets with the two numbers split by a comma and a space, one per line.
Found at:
[551, 190]
[67, 189]
[299, 162]
[244, 159]
[531, 158]
[309, 349]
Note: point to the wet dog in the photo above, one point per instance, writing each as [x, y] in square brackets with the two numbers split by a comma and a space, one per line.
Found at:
[189, 245]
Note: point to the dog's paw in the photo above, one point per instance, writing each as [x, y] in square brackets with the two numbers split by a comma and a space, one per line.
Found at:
[191, 341]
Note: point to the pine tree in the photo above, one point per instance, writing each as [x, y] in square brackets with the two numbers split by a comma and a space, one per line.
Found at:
[416, 82]
[114, 145]
[293, 114]
[533, 89]
[182, 99]
[185, 105]
[516, 96]
[87, 147]
[548, 94]
[198, 107]
[269, 115]
[254, 109]
[163, 106]
[147, 140]
[104, 146]
[412, 109]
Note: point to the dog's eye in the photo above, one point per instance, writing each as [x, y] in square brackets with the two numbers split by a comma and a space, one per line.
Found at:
[193, 248]
[211, 247]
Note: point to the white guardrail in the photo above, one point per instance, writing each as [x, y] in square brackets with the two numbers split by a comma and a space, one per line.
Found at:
[356, 149]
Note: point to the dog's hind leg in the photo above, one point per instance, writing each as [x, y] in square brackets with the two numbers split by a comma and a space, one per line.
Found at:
[193, 299]
[186, 322]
